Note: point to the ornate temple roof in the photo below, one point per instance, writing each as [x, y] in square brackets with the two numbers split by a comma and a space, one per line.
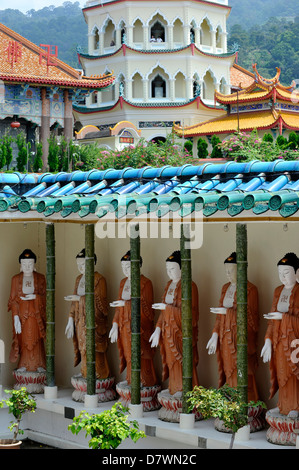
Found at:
[21, 61]
[263, 104]
[249, 191]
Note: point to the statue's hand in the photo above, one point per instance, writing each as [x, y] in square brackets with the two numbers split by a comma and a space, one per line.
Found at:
[17, 324]
[69, 330]
[72, 298]
[212, 344]
[266, 352]
[117, 303]
[273, 316]
[113, 334]
[218, 310]
[159, 306]
[28, 297]
[154, 339]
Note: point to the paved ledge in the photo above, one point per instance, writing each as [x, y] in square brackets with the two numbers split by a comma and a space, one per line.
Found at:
[48, 425]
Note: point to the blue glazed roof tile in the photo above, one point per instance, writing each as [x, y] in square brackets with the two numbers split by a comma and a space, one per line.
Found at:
[229, 189]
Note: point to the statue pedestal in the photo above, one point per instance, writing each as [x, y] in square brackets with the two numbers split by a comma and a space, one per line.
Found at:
[104, 390]
[256, 420]
[171, 407]
[282, 429]
[33, 381]
[148, 396]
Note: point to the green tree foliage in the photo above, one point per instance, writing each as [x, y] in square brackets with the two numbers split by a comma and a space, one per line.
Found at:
[38, 160]
[53, 154]
[202, 148]
[216, 148]
[23, 150]
[270, 45]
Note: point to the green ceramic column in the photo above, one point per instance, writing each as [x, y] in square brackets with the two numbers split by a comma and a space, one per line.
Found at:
[135, 315]
[242, 367]
[90, 309]
[50, 305]
[186, 311]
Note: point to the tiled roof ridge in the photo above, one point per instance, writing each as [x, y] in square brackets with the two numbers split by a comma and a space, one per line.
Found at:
[88, 56]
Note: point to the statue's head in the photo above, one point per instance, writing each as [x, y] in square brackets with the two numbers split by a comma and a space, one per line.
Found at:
[287, 269]
[173, 266]
[126, 263]
[80, 258]
[230, 264]
[27, 260]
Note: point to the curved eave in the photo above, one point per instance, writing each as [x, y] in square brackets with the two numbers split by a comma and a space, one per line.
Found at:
[121, 102]
[84, 84]
[246, 123]
[124, 48]
[100, 5]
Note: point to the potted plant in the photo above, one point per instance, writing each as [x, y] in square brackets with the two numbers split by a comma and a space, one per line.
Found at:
[107, 429]
[18, 403]
[224, 403]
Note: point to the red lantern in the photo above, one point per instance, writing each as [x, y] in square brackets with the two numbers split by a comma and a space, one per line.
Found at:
[15, 124]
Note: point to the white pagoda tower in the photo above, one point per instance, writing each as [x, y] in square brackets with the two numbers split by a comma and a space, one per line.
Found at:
[168, 57]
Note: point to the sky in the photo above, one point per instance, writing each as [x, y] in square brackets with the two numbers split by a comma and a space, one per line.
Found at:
[25, 5]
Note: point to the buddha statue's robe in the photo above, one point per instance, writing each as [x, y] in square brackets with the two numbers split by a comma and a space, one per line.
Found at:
[284, 370]
[226, 328]
[78, 313]
[171, 338]
[29, 344]
[122, 317]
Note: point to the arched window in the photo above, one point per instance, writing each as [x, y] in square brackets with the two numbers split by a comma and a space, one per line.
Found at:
[180, 86]
[158, 87]
[138, 31]
[208, 86]
[109, 37]
[205, 33]
[157, 31]
[178, 36]
[96, 39]
[137, 87]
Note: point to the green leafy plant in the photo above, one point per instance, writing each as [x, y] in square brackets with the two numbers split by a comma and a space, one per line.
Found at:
[38, 161]
[19, 402]
[224, 403]
[23, 149]
[108, 429]
[202, 148]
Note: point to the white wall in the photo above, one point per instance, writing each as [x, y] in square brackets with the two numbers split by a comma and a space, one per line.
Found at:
[267, 243]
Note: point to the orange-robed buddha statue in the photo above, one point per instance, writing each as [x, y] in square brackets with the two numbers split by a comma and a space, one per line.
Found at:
[76, 326]
[27, 303]
[121, 326]
[224, 336]
[168, 332]
[283, 328]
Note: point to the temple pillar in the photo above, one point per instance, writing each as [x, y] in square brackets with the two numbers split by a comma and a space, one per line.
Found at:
[45, 126]
[68, 116]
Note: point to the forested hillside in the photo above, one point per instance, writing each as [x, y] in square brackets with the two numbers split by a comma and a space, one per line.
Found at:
[266, 31]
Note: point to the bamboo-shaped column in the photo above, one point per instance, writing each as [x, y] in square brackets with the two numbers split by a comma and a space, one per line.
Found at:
[242, 367]
[50, 305]
[90, 309]
[186, 311]
[135, 315]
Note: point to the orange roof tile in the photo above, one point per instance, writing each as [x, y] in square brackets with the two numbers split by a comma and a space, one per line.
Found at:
[240, 77]
[22, 61]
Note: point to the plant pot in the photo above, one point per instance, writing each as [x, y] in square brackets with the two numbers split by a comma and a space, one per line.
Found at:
[10, 444]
